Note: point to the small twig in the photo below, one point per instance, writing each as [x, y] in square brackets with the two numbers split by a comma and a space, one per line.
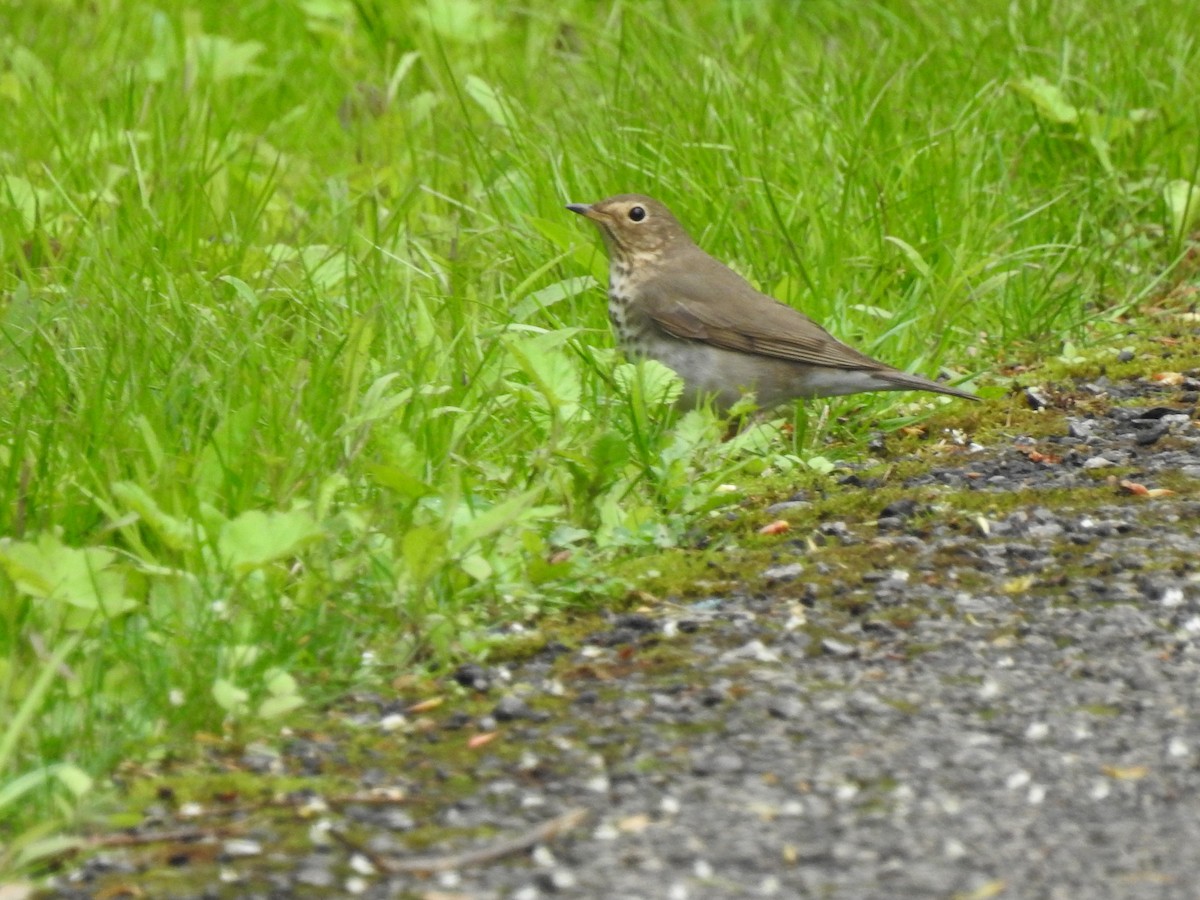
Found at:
[544, 833]
[162, 837]
[380, 863]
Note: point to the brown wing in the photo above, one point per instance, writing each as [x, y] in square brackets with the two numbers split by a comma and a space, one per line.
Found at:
[699, 299]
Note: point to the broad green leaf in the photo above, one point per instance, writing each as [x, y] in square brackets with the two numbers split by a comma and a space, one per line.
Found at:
[26, 69]
[274, 707]
[73, 778]
[15, 789]
[577, 238]
[284, 694]
[1105, 127]
[477, 567]
[255, 538]
[552, 294]
[489, 98]
[486, 523]
[915, 259]
[555, 376]
[331, 486]
[279, 683]
[401, 480]
[820, 464]
[50, 570]
[327, 267]
[339, 11]
[463, 21]
[424, 549]
[995, 282]
[1049, 99]
[758, 439]
[649, 382]
[245, 293]
[377, 403]
[1183, 205]
[238, 656]
[229, 696]
[530, 302]
[56, 846]
[178, 534]
[23, 197]
[1101, 148]
[222, 59]
[233, 438]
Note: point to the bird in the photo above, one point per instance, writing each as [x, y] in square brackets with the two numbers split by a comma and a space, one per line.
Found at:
[670, 301]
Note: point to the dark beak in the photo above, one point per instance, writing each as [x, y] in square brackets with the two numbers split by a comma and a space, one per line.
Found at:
[584, 209]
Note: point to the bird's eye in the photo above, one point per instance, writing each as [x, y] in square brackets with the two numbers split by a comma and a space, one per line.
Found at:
[637, 214]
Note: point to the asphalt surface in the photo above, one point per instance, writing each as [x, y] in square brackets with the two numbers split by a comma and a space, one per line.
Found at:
[994, 698]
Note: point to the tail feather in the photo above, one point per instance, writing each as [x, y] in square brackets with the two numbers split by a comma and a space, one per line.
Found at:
[904, 381]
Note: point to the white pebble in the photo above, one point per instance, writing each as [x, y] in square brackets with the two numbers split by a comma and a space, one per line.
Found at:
[1017, 780]
[954, 849]
[606, 832]
[360, 865]
[238, 847]
[392, 722]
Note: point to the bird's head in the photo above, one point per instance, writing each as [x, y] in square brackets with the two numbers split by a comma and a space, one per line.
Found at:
[635, 228]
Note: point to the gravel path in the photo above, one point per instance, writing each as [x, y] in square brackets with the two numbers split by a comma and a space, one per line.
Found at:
[989, 689]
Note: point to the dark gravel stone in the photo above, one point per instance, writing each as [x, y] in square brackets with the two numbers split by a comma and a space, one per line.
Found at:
[899, 509]
[1081, 428]
[509, 708]
[718, 764]
[316, 877]
[1036, 398]
[786, 707]
[786, 572]
[473, 676]
[634, 622]
[1150, 433]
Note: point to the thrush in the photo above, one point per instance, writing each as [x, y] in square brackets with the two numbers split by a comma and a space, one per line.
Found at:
[670, 301]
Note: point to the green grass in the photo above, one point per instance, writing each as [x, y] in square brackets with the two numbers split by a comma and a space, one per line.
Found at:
[304, 376]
